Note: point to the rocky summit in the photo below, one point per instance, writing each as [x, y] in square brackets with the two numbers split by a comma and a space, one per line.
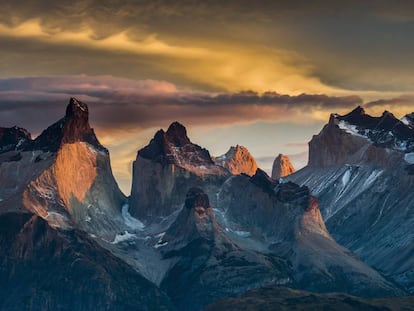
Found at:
[164, 170]
[238, 160]
[12, 138]
[360, 168]
[198, 229]
[73, 127]
[282, 167]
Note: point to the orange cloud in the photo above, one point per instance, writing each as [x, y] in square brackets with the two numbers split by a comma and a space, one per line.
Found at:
[231, 67]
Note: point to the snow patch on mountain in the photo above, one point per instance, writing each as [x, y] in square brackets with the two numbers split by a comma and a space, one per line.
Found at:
[126, 236]
[350, 129]
[239, 233]
[160, 242]
[409, 158]
[346, 177]
[130, 221]
[20, 142]
[405, 120]
[158, 245]
[372, 177]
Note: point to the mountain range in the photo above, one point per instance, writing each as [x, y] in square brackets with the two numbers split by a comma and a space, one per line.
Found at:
[196, 228]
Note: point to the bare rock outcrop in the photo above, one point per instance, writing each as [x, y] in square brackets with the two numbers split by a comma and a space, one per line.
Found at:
[358, 138]
[282, 167]
[238, 160]
[63, 175]
[206, 264]
[166, 168]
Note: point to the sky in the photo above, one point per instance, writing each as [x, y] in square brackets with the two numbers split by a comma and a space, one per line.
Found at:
[263, 74]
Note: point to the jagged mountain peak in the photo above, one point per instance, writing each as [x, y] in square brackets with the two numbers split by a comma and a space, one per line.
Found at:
[76, 122]
[345, 139]
[408, 119]
[263, 181]
[357, 116]
[12, 138]
[196, 220]
[387, 121]
[174, 147]
[357, 111]
[238, 160]
[291, 192]
[165, 168]
[282, 167]
[283, 191]
[239, 148]
[177, 134]
[76, 108]
[73, 127]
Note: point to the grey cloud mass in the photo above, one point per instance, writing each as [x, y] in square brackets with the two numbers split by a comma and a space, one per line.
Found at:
[118, 103]
[395, 103]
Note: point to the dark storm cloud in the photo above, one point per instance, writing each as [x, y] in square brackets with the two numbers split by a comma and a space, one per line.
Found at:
[117, 103]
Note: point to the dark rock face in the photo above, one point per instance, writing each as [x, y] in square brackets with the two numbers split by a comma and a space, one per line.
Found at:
[196, 198]
[333, 146]
[195, 221]
[174, 147]
[288, 224]
[207, 265]
[12, 138]
[74, 127]
[263, 181]
[165, 170]
[291, 192]
[47, 269]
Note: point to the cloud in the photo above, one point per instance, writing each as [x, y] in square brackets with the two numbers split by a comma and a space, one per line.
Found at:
[406, 100]
[216, 64]
[118, 103]
[294, 47]
[118, 42]
[400, 105]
